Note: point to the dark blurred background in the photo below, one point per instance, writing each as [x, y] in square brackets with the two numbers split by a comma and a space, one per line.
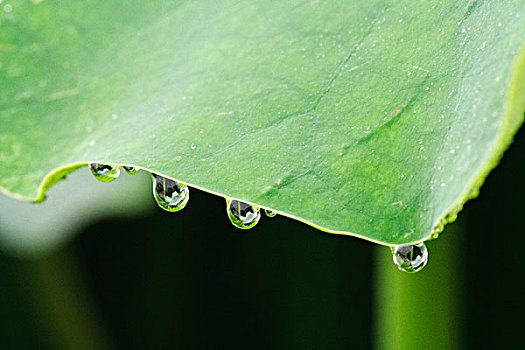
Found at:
[190, 280]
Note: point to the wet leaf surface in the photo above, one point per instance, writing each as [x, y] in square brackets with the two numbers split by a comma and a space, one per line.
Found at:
[377, 119]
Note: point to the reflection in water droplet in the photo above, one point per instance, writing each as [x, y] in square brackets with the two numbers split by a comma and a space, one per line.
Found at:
[169, 194]
[131, 170]
[270, 213]
[104, 172]
[242, 215]
[410, 258]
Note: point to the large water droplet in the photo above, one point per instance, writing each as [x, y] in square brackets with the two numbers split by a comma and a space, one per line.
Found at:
[104, 172]
[169, 194]
[270, 213]
[410, 258]
[131, 170]
[242, 215]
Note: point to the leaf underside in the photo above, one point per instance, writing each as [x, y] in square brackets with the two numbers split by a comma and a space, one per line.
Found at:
[377, 119]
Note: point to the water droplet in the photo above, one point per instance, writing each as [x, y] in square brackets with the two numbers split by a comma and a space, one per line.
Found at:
[170, 195]
[410, 258]
[104, 172]
[270, 213]
[242, 215]
[436, 230]
[131, 170]
[451, 217]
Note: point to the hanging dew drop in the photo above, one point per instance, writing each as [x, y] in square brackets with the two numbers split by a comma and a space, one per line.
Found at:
[104, 172]
[410, 258]
[170, 195]
[270, 213]
[131, 170]
[242, 215]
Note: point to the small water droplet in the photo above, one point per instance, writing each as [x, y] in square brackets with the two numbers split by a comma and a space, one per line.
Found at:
[131, 170]
[170, 195]
[451, 217]
[242, 215]
[436, 230]
[104, 172]
[270, 213]
[410, 258]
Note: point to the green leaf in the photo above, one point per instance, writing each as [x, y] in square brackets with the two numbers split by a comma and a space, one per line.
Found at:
[372, 118]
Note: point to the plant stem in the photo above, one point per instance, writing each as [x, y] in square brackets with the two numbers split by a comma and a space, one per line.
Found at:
[421, 310]
[63, 304]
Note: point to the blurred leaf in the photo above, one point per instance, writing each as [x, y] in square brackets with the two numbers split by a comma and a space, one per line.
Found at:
[29, 229]
[370, 118]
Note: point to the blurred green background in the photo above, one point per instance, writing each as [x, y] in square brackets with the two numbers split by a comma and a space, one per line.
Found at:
[131, 276]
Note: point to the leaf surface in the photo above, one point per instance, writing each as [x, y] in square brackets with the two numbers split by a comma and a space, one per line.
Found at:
[372, 118]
